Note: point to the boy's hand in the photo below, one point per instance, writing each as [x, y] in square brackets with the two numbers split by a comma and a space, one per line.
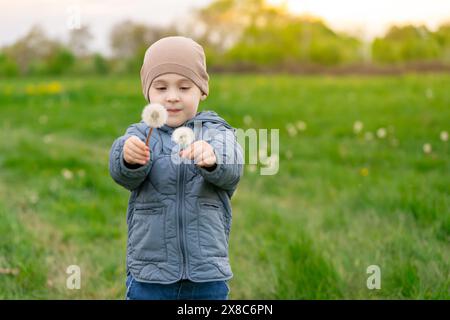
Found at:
[202, 153]
[135, 151]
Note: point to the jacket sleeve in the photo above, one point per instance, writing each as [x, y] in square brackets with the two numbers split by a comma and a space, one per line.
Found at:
[230, 162]
[129, 176]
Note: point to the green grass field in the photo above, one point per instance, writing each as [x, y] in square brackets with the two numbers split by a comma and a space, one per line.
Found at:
[340, 202]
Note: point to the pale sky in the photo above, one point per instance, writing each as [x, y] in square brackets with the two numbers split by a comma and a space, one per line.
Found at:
[359, 17]
[373, 17]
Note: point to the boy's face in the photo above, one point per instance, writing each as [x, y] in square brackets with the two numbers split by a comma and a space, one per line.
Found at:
[178, 94]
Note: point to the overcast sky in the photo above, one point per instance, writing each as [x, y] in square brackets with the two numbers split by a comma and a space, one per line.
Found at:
[356, 16]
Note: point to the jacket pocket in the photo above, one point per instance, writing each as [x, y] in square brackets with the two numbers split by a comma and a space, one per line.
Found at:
[211, 232]
[147, 233]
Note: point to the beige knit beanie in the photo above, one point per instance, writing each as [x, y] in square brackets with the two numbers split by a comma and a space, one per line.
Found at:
[179, 55]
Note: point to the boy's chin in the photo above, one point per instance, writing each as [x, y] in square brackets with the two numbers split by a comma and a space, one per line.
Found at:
[178, 120]
[174, 123]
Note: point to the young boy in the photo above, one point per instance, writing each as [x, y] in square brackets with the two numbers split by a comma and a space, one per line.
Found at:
[179, 213]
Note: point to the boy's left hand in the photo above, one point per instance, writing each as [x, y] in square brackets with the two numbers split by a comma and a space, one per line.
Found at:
[201, 152]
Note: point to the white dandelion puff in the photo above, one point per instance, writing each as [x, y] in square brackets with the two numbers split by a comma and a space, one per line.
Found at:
[252, 168]
[301, 125]
[381, 133]
[183, 136]
[427, 148]
[155, 116]
[444, 136]
[429, 93]
[67, 174]
[292, 131]
[358, 126]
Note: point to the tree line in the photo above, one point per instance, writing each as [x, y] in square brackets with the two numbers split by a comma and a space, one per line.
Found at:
[236, 35]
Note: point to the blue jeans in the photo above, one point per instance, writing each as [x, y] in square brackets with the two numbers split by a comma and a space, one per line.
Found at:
[181, 290]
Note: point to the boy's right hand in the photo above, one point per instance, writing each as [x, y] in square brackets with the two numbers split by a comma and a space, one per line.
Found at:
[135, 151]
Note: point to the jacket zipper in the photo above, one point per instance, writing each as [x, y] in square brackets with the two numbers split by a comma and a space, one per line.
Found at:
[180, 217]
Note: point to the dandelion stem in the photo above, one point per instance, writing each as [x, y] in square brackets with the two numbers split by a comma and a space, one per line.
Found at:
[148, 136]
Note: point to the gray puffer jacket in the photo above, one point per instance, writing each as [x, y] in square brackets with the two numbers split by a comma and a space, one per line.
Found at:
[179, 215]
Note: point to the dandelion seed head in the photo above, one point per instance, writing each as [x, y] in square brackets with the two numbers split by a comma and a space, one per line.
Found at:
[67, 174]
[444, 136]
[358, 126]
[183, 136]
[381, 133]
[292, 131]
[301, 125]
[427, 148]
[248, 120]
[154, 115]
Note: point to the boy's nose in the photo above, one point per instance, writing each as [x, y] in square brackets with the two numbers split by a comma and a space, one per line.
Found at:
[172, 99]
[172, 96]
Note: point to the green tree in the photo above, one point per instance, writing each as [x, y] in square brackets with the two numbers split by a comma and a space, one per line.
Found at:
[442, 36]
[100, 64]
[8, 67]
[60, 61]
[30, 50]
[277, 37]
[219, 26]
[406, 43]
[36, 53]
[254, 33]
